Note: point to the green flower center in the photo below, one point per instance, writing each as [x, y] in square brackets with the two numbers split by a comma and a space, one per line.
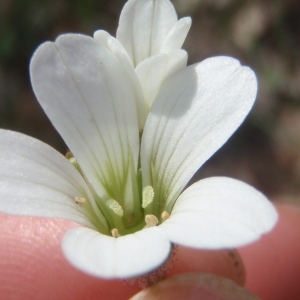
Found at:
[127, 207]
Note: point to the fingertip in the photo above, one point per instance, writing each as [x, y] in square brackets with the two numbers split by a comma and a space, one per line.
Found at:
[32, 265]
[195, 286]
[273, 264]
[225, 263]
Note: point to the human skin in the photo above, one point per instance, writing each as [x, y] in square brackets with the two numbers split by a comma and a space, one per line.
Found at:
[32, 265]
[195, 286]
[273, 263]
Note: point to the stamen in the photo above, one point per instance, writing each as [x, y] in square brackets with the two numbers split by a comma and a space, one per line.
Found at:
[151, 221]
[69, 155]
[165, 215]
[148, 196]
[115, 207]
[115, 233]
[73, 161]
[80, 200]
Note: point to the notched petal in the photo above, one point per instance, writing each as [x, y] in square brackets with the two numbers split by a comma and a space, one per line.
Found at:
[144, 25]
[87, 94]
[193, 115]
[117, 49]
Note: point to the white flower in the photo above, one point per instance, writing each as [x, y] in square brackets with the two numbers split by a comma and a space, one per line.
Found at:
[126, 189]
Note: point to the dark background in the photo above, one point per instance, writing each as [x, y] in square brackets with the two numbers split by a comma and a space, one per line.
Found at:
[264, 34]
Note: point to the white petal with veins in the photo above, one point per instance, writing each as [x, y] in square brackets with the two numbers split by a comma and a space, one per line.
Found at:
[120, 53]
[194, 114]
[126, 256]
[86, 93]
[143, 26]
[36, 180]
[219, 212]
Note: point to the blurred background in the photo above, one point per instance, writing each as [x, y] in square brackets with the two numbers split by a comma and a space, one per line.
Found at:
[263, 34]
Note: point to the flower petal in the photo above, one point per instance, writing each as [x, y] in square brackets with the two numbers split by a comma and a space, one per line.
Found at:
[120, 53]
[219, 212]
[144, 25]
[177, 60]
[36, 180]
[194, 114]
[85, 92]
[177, 35]
[123, 257]
[153, 71]
[151, 74]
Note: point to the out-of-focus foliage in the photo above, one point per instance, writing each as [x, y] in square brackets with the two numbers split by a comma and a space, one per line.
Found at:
[264, 34]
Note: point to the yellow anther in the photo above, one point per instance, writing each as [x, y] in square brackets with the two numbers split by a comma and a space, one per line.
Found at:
[69, 154]
[148, 196]
[165, 215]
[115, 207]
[73, 161]
[80, 200]
[151, 221]
[115, 233]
